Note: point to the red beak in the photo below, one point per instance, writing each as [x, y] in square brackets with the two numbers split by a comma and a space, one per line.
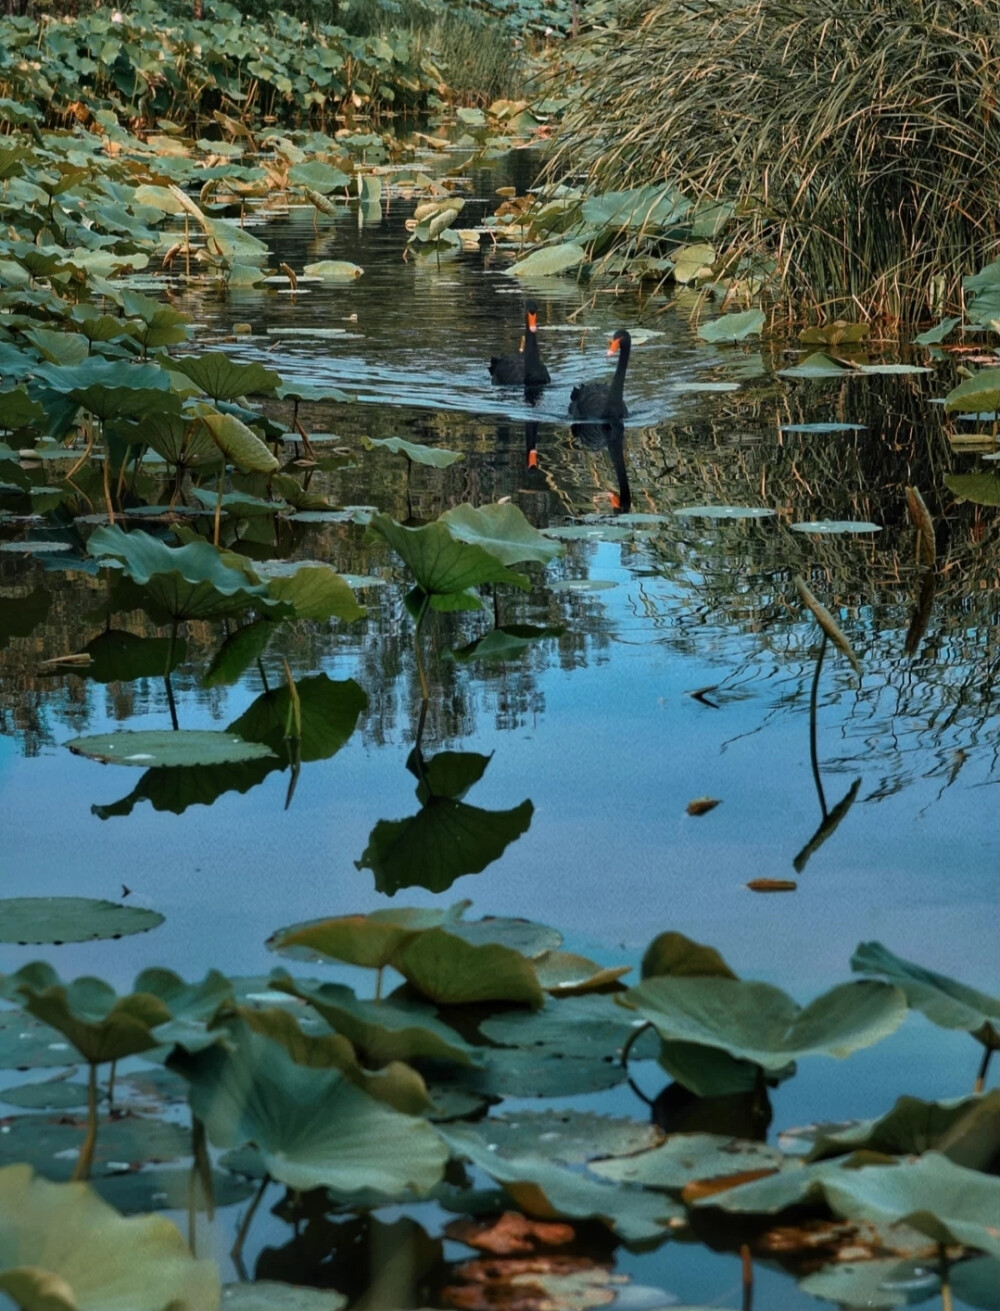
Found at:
[532, 459]
[613, 348]
[532, 322]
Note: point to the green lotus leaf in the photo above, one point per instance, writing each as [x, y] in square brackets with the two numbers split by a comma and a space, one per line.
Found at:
[313, 1128]
[228, 244]
[712, 1072]
[724, 512]
[238, 444]
[760, 1023]
[693, 263]
[685, 1158]
[509, 642]
[549, 260]
[834, 334]
[892, 368]
[966, 1130]
[586, 1026]
[948, 1202]
[836, 527]
[732, 327]
[333, 270]
[975, 395]
[19, 410]
[816, 365]
[979, 488]
[386, 1030]
[396, 1084]
[50, 1144]
[188, 582]
[443, 841]
[502, 530]
[938, 333]
[357, 939]
[71, 919]
[549, 1191]
[318, 176]
[977, 1282]
[185, 1000]
[823, 427]
[442, 565]
[50, 1095]
[435, 456]
[451, 972]
[166, 749]
[111, 389]
[224, 379]
[59, 347]
[297, 390]
[329, 711]
[63, 1249]
[118, 656]
[648, 208]
[313, 591]
[944, 1001]
[101, 1025]
[238, 652]
[565, 974]
[673, 954]
[882, 1282]
[572, 1137]
[183, 442]
[269, 1295]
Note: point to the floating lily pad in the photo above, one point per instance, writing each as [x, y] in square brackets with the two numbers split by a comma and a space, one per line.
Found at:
[334, 270]
[823, 427]
[167, 749]
[62, 1248]
[685, 1158]
[56, 920]
[548, 261]
[836, 526]
[451, 972]
[883, 1282]
[267, 1295]
[724, 512]
[582, 585]
[50, 1095]
[565, 974]
[435, 456]
[981, 392]
[816, 365]
[594, 532]
[570, 1136]
[28, 1044]
[732, 327]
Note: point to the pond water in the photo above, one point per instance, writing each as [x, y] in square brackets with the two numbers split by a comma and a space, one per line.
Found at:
[679, 666]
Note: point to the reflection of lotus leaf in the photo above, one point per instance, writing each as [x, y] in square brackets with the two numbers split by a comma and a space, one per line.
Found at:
[437, 457]
[329, 713]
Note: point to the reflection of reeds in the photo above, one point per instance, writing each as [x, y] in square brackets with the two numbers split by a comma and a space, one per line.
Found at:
[859, 144]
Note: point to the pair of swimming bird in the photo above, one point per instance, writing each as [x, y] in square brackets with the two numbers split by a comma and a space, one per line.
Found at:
[603, 401]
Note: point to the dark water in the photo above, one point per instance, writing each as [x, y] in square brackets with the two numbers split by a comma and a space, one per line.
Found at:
[600, 726]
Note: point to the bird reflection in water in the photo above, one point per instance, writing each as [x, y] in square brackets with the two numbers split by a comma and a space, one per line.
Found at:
[608, 433]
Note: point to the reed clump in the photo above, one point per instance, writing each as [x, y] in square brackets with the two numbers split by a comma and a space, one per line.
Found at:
[857, 142]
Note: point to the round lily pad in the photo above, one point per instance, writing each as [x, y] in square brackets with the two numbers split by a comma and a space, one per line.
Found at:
[52, 1143]
[51, 1095]
[266, 1295]
[55, 920]
[582, 585]
[724, 512]
[567, 1135]
[28, 1044]
[823, 427]
[834, 526]
[164, 749]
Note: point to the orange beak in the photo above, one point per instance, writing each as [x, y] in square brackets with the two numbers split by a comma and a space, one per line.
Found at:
[532, 322]
[613, 348]
[532, 459]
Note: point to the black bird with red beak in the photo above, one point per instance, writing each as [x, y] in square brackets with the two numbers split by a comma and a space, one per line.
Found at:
[525, 369]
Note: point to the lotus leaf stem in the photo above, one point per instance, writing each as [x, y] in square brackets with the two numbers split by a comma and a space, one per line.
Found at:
[425, 691]
[86, 1158]
[237, 1249]
[813, 758]
[747, 1265]
[629, 1043]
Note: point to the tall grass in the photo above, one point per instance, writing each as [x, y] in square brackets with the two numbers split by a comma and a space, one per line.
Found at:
[858, 140]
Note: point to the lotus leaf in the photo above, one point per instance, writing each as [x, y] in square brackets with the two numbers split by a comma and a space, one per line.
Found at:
[979, 488]
[687, 1157]
[549, 1191]
[184, 442]
[549, 260]
[313, 591]
[508, 642]
[26, 1043]
[834, 334]
[110, 388]
[71, 919]
[312, 1127]
[443, 841]
[396, 1084]
[673, 954]
[712, 1072]
[502, 530]
[985, 287]
[977, 1282]
[387, 1030]
[224, 379]
[50, 1095]
[933, 335]
[365, 940]
[967, 1131]
[759, 1023]
[836, 527]
[329, 711]
[166, 749]
[565, 974]
[268, 1295]
[452, 972]
[732, 327]
[442, 566]
[238, 651]
[648, 208]
[238, 444]
[435, 456]
[51, 1144]
[572, 1137]
[19, 410]
[333, 270]
[816, 365]
[188, 582]
[174, 790]
[882, 1282]
[118, 656]
[693, 263]
[318, 176]
[73, 1252]
[944, 1001]
[822, 427]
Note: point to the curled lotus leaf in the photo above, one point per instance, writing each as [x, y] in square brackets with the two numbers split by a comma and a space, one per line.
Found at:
[451, 972]
[502, 530]
[945, 1001]
[63, 1249]
[435, 456]
[224, 379]
[238, 444]
[442, 565]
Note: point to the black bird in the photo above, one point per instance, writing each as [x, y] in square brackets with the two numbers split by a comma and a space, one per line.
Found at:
[610, 434]
[525, 368]
[604, 400]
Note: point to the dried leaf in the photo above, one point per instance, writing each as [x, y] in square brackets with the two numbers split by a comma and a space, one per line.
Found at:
[702, 805]
[511, 1232]
[772, 885]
